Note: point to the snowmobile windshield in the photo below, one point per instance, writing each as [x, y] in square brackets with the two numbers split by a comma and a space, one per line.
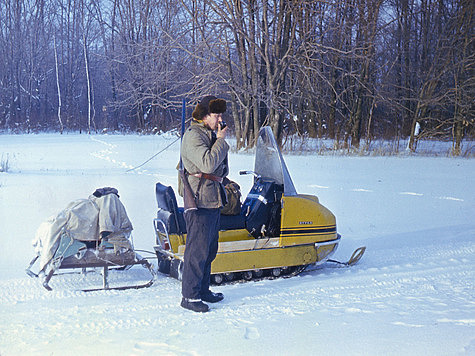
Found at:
[269, 162]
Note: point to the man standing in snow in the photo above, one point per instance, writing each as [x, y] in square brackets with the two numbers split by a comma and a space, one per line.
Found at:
[204, 153]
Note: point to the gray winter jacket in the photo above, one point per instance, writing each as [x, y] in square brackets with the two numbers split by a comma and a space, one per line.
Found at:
[200, 155]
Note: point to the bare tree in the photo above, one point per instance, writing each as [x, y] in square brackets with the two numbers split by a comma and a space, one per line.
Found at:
[463, 57]
[58, 87]
[443, 104]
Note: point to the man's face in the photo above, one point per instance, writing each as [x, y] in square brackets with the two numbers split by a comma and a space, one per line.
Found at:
[211, 120]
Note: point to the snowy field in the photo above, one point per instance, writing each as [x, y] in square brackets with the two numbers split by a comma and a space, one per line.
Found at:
[411, 294]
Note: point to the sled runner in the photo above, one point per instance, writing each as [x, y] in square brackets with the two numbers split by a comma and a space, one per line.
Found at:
[88, 233]
[278, 231]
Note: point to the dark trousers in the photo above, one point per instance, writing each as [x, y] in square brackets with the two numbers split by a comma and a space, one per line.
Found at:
[202, 226]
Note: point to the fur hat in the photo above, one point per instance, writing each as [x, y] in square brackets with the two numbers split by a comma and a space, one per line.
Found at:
[209, 105]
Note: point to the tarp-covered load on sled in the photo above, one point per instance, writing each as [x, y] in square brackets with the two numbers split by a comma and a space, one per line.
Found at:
[92, 232]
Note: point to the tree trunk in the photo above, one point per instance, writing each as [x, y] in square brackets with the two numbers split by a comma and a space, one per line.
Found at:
[88, 80]
[58, 86]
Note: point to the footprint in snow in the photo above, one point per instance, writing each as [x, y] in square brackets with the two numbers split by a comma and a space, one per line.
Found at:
[318, 186]
[400, 323]
[412, 193]
[252, 333]
[451, 198]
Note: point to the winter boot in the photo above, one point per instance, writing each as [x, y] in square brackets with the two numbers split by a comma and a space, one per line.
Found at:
[195, 305]
[211, 297]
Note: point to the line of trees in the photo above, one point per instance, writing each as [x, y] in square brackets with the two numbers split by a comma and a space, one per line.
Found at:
[350, 70]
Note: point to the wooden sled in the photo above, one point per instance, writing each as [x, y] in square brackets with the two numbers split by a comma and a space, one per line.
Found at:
[74, 254]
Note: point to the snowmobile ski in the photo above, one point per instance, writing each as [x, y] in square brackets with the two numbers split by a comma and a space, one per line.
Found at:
[355, 257]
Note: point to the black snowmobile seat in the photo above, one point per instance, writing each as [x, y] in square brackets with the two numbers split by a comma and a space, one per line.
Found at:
[232, 222]
[168, 210]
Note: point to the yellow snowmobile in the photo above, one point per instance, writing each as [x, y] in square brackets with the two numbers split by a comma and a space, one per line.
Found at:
[278, 231]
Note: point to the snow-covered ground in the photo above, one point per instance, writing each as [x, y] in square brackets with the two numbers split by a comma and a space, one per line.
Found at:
[411, 294]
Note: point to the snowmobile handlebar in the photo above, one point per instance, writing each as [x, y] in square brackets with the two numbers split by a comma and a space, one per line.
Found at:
[257, 176]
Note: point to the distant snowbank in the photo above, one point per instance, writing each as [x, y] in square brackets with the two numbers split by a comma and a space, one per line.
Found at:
[326, 147]
[296, 144]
